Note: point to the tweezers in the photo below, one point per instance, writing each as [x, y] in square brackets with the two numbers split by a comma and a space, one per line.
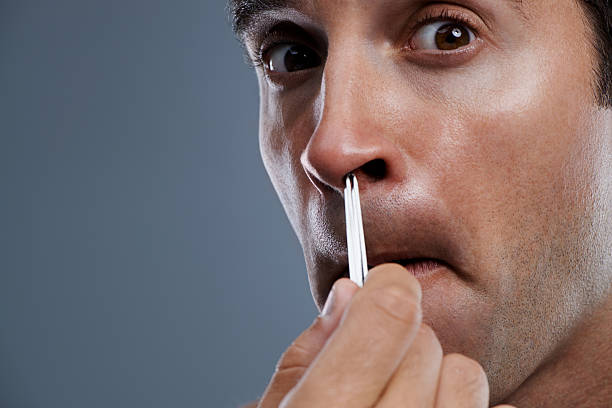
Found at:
[355, 242]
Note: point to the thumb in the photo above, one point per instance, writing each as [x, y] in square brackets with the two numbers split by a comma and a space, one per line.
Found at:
[300, 354]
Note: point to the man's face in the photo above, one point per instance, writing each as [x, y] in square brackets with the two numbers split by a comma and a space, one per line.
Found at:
[474, 134]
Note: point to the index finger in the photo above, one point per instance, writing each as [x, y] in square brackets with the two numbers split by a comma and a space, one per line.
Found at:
[360, 357]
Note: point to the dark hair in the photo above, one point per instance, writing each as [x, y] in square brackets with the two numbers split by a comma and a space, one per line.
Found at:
[598, 14]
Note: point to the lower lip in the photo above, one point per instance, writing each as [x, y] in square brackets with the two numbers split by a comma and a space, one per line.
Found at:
[421, 268]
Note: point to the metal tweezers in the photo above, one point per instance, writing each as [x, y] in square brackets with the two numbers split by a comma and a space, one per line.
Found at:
[355, 242]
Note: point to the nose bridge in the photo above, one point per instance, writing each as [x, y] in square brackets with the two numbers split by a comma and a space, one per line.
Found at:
[348, 81]
[349, 132]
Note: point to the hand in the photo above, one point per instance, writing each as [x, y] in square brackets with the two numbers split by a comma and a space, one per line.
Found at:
[368, 348]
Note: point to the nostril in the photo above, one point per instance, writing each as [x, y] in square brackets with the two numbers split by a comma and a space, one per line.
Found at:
[376, 169]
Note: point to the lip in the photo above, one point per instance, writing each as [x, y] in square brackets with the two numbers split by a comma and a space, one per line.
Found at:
[419, 267]
[422, 267]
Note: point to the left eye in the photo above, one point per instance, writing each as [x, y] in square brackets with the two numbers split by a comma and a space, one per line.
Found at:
[442, 35]
[290, 58]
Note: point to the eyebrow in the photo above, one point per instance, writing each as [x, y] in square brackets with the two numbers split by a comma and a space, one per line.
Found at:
[244, 12]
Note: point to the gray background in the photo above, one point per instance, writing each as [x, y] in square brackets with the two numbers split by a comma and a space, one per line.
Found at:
[145, 258]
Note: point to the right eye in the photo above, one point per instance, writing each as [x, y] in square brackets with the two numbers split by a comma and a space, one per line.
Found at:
[290, 58]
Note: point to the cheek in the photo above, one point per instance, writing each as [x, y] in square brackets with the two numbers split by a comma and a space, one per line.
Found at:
[513, 155]
[284, 131]
[276, 156]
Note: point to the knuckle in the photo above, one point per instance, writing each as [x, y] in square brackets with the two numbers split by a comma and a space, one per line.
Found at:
[466, 371]
[296, 356]
[397, 303]
[287, 378]
[301, 352]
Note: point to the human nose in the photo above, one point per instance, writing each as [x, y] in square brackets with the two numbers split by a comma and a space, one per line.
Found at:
[352, 132]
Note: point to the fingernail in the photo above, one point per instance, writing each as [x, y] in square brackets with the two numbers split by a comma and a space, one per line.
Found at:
[329, 303]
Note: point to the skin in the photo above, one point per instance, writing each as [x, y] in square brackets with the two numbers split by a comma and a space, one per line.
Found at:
[495, 159]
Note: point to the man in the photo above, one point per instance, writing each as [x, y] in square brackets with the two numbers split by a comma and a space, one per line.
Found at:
[481, 135]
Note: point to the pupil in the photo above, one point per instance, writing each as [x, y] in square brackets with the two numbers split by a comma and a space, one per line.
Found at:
[451, 37]
[299, 57]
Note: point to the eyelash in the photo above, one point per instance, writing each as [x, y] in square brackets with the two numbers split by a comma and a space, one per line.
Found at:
[278, 38]
[272, 40]
[444, 15]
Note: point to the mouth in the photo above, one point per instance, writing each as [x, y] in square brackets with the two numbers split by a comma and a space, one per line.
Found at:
[419, 235]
